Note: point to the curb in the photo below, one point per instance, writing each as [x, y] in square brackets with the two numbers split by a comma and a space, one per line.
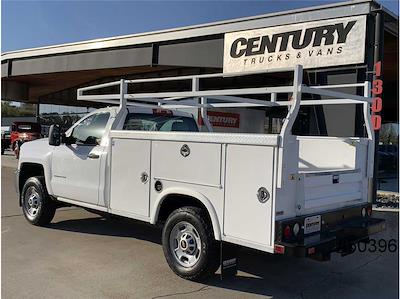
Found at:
[384, 209]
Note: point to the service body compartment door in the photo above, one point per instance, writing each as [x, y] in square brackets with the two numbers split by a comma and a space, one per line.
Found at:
[190, 162]
[130, 176]
[249, 168]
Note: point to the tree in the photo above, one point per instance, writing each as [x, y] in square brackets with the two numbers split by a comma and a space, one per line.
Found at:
[8, 110]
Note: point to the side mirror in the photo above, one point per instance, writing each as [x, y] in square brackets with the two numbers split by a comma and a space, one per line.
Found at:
[55, 135]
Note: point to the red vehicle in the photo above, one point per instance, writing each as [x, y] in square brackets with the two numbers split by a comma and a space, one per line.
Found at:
[22, 132]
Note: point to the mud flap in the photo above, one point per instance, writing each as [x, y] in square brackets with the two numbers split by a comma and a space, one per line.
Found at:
[228, 260]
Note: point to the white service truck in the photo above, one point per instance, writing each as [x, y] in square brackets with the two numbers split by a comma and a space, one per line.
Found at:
[143, 159]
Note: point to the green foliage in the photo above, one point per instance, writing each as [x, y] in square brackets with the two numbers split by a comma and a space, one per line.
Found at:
[389, 134]
[7, 110]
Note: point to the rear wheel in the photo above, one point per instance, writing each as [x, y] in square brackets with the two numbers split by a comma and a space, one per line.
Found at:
[189, 244]
[37, 206]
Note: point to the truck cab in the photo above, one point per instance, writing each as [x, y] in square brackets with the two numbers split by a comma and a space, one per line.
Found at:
[87, 145]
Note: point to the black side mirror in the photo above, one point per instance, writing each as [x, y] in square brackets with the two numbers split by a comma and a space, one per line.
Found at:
[55, 135]
[91, 140]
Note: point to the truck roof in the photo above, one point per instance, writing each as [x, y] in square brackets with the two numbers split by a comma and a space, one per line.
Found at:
[145, 110]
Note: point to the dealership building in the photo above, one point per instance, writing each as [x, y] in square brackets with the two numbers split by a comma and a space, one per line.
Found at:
[336, 43]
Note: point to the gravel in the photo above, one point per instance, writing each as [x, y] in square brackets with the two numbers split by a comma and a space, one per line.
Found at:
[388, 199]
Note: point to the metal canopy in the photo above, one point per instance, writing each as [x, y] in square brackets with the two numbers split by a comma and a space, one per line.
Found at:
[321, 12]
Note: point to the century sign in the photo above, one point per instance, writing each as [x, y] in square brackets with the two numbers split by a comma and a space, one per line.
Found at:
[312, 44]
[222, 119]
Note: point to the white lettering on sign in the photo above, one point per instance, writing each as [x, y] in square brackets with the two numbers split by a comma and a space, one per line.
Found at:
[312, 44]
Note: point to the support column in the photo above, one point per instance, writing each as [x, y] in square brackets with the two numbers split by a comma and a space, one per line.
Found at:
[378, 56]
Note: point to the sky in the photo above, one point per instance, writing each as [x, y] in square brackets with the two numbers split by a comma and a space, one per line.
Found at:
[28, 24]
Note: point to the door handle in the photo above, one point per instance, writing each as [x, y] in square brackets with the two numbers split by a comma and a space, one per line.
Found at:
[93, 156]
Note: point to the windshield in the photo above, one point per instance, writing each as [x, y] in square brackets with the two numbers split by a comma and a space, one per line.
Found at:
[155, 122]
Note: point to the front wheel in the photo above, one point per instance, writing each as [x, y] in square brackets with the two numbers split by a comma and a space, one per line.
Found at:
[37, 206]
[189, 244]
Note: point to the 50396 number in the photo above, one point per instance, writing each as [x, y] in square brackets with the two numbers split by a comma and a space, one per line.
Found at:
[380, 245]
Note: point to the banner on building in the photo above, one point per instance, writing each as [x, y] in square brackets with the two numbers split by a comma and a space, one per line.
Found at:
[222, 119]
[312, 44]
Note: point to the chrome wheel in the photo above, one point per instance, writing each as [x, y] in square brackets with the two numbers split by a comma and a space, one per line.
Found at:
[32, 202]
[185, 244]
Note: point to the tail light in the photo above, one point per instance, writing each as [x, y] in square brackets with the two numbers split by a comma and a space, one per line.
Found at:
[160, 111]
[287, 233]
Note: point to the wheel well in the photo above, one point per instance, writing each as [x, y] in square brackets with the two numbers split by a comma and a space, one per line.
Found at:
[28, 170]
[176, 201]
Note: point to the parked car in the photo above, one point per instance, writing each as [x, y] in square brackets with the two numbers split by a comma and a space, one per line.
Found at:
[22, 132]
[5, 139]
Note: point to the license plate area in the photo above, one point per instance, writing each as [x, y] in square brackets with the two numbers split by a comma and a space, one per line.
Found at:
[312, 224]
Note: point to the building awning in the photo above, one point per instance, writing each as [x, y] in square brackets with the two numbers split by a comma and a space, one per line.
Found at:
[51, 74]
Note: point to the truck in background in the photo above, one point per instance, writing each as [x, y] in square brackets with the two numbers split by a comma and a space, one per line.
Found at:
[22, 132]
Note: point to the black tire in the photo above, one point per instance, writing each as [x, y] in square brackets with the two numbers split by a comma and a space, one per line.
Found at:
[208, 260]
[2, 151]
[34, 191]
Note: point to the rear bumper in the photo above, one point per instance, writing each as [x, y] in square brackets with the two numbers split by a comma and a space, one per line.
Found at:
[341, 236]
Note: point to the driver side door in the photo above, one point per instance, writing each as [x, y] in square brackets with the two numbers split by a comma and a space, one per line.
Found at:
[76, 165]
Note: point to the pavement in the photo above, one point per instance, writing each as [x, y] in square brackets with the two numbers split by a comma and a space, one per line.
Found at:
[82, 255]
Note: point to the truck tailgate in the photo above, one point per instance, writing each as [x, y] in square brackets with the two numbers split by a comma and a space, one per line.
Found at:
[329, 188]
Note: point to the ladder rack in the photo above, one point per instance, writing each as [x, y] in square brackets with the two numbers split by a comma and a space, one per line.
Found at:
[231, 98]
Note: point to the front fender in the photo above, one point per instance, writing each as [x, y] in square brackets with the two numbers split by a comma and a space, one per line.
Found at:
[187, 192]
[38, 152]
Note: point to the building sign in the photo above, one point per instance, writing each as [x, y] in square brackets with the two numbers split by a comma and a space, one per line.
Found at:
[312, 44]
[222, 119]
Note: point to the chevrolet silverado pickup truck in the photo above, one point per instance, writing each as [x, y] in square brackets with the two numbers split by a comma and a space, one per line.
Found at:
[145, 159]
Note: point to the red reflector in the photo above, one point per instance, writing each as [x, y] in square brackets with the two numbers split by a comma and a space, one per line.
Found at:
[369, 210]
[311, 250]
[279, 249]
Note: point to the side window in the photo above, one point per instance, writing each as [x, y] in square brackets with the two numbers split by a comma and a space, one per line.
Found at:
[91, 129]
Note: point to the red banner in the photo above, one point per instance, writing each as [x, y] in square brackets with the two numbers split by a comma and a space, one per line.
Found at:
[222, 119]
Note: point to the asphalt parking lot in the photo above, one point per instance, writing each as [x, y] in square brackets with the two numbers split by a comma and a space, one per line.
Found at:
[82, 255]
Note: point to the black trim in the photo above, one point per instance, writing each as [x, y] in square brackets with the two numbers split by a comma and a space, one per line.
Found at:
[340, 230]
